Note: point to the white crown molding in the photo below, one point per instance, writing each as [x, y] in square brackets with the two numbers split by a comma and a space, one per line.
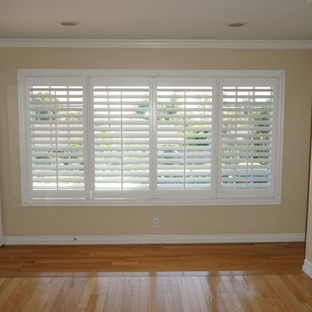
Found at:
[307, 268]
[154, 239]
[152, 44]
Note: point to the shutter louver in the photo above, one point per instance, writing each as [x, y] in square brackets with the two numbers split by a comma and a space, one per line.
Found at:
[184, 137]
[121, 137]
[247, 137]
[57, 139]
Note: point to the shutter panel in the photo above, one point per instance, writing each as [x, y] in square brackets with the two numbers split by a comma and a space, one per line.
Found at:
[184, 135]
[247, 128]
[57, 142]
[121, 129]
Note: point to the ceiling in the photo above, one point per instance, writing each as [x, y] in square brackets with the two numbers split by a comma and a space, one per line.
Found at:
[157, 19]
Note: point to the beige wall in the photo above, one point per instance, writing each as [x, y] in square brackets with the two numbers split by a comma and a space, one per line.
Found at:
[289, 217]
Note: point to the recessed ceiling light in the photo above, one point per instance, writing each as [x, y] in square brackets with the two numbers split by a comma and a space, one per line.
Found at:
[68, 23]
[237, 24]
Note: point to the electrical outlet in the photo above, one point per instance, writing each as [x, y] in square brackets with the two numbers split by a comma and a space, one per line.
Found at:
[155, 222]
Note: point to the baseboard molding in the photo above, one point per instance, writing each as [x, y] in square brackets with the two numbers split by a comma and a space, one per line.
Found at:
[153, 239]
[307, 268]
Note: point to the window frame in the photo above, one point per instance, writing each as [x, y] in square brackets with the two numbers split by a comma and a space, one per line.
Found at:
[216, 198]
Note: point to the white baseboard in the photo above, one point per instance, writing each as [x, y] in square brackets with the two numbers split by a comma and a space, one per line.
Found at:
[153, 239]
[307, 268]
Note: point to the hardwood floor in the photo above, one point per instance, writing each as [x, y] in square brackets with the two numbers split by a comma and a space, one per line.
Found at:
[257, 258]
[155, 278]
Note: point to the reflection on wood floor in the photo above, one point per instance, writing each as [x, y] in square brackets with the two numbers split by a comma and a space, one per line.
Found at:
[35, 278]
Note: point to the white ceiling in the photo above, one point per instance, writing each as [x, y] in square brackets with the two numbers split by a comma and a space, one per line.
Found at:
[156, 19]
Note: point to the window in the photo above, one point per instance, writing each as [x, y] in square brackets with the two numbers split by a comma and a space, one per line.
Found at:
[150, 137]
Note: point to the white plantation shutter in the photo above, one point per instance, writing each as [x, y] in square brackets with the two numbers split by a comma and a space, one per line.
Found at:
[247, 130]
[55, 128]
[150, 138]
[121, 134]
[184, 135]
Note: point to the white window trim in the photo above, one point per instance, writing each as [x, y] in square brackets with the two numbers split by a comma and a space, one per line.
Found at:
[279, 75]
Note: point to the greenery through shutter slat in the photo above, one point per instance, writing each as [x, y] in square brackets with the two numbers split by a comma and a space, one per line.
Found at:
[57, 145]
[247, 131]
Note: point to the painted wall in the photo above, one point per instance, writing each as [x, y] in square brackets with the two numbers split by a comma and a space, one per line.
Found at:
[289, 217]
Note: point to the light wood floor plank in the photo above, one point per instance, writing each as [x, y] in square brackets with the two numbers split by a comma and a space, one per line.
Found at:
[135, 298]
[84, 300]
[298, 288]
[192, 294]
[36, 290]
[279, 296]
[287, 293]
[200, 294]
[184, 294]
[160, 296]
[258, 301]
[217, 290]
[108, 306]
[176, 295]
[168, 295]
[102, 287]
[50, 293]
[11, 288]
[144, 288]
[126, 298]
[235, 292]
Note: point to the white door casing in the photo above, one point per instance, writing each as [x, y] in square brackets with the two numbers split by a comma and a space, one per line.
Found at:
[1, 232]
